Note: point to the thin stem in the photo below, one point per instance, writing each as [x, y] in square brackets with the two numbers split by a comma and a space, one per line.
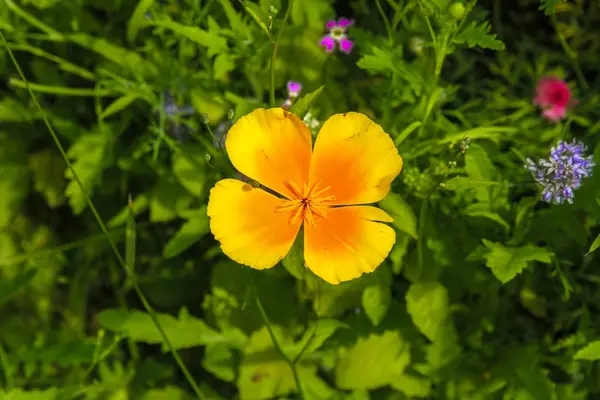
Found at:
[94, 211]
[275, 47]
[388, 27]
[278, 347]
[570, 53]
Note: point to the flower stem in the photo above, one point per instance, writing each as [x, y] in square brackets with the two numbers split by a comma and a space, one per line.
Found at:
[104, 230]
[388, 27]
[275, 47]
[278, 347]
[571, 54]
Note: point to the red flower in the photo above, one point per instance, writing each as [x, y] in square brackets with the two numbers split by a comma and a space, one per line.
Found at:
[553, 96]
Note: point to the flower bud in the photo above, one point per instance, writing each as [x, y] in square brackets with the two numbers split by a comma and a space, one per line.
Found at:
[273, 10]
[457, 10]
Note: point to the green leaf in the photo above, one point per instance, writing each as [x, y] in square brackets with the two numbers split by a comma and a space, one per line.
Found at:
[119, 105]
[219, 360]
[10, 287]
[49, 176]
[90, 155]
[19, 394]
[590, 352]
[405, 219]
[506, 262]
[235, 21]
[478, 35]
[301, 107]
[190, 232]
[137, 20]
[12, 110]
[314, 337]
[14, 179]
[460, 183]
[129, 60]
[372, 362]
[63, 354]
[376, 301]
[183, 332]
[167, 393]
[223, 65]
[483, 210]
[594, 245]
[548, 6]
[263, 374]
[168, 197]
[189, 169]
[214, 43]
[140, 204]
[412, 386]
[383, 61]
[428, 305]
[293, 262]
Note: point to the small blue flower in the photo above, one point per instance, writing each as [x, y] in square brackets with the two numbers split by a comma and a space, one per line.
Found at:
[562, 172]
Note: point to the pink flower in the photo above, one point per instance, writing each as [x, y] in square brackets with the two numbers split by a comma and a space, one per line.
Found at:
[294, 89]
[553, 96]
[337, 34]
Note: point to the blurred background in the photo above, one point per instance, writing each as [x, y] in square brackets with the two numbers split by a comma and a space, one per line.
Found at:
[119, 291]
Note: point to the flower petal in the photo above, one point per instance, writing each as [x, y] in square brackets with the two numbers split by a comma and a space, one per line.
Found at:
[345, 22]
[244, 221]
[331, 24]
[271, 146]
[346, 45]
[329, 43]
[355, 158]
[347, 243]
[555, 113]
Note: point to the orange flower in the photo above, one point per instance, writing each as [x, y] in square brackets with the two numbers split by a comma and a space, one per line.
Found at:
[352, 164]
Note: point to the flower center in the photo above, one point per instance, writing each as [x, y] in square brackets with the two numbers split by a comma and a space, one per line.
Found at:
[337, 33]
[308, 204]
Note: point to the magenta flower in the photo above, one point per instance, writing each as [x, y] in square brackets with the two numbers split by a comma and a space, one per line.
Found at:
[553, 96]
[337, 34]
[294, 89]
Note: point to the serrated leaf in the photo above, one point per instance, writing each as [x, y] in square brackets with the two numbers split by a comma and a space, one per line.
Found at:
[300, 107]
[405, 219]
[137, 20]
[90, 157]
[235, 21]
[428, 305]
[383, 61]
[372, 362]
[590, 352]
[506, 262]
[376, 301]
[190, 232]
[483, 210]
[478, 35]
[183, 332]
[214, 43]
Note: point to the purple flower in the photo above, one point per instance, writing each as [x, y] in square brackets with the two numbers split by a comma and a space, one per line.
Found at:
[172, 109]
[562, 172]
[337, 34]
[294, 89]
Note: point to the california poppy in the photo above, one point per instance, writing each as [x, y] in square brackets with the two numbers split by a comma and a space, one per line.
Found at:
[325, 189]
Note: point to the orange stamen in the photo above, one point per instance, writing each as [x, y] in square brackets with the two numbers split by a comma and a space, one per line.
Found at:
[308, 204]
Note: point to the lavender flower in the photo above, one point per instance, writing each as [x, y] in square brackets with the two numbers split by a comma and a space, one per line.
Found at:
[562, 172]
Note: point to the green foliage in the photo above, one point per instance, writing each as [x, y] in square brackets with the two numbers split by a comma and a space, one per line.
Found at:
[488, 293]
